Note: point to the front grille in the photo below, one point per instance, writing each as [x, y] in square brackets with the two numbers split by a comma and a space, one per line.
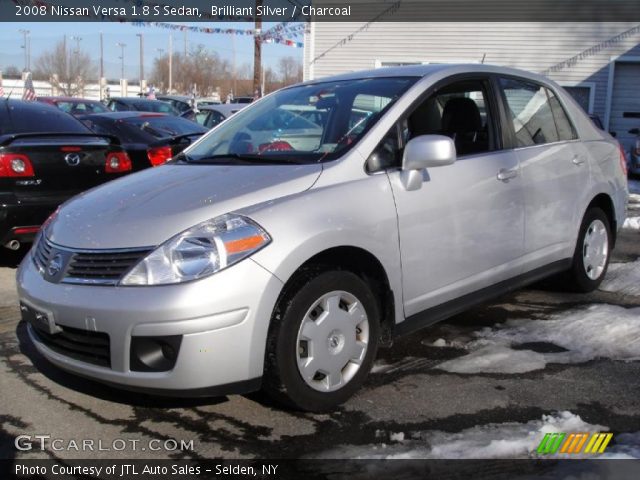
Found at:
[83, 345]
[95, 267]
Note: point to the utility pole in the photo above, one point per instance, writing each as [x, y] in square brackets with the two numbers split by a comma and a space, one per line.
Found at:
[170, 63]
[257, 52]
[185, 44]
[77, 39]
[141, 61]
[25, 34]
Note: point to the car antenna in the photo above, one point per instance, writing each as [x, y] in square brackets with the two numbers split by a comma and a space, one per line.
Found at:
[483, 57]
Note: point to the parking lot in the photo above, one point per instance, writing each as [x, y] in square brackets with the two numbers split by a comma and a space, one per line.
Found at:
[484, 384]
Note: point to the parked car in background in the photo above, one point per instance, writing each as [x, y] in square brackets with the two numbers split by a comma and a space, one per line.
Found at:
[75, 106]
[634, 153]
[150, 139]
[279, 253]
[204, 101]
[242, 100]
[181, 103]
[211, 115]
[127, 104]
[46, 157]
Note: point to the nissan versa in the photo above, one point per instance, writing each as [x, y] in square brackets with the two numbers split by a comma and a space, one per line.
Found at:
[281, 249]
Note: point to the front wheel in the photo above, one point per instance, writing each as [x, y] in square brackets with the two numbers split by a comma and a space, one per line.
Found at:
[322, 342]
[593, 249]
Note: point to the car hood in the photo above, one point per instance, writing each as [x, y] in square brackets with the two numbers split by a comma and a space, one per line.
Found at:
[147, 208]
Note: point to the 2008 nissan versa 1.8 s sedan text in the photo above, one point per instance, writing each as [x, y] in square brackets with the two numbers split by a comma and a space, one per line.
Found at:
[280, 250]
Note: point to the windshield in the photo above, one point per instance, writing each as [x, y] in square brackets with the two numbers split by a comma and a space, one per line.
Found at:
[303, 124]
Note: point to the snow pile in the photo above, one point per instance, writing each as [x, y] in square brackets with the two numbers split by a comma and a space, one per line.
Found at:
[623, 278]
[596, 331]
[491, 441]
[631, 223]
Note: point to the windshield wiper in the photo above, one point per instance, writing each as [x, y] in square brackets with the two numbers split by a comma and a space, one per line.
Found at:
[242, 158]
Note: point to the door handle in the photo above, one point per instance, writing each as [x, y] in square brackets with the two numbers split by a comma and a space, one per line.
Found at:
[577, 160]
[504, 174]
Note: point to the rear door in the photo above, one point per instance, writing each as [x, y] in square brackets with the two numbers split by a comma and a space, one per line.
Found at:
[554, 169]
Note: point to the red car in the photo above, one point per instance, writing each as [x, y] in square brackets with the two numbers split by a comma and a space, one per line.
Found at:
[75, 106]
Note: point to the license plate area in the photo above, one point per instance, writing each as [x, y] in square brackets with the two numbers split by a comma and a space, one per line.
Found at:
[38, 319]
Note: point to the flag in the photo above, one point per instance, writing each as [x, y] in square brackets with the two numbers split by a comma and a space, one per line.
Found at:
[29, 93]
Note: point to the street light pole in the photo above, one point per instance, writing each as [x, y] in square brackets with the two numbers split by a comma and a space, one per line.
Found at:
[122, 45]
[141, 60]
[25, 34]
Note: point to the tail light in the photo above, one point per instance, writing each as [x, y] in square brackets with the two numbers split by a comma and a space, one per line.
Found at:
[117, 162]
[623, 159]
[15, 165]
[159, 155]
[277, 146]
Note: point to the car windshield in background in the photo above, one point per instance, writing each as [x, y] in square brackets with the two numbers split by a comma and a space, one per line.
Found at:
[302, 124]
[165, 126]
[154, 106]
[77, 108]
[33, 117]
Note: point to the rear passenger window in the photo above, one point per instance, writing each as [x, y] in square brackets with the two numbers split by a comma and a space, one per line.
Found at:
[565, 129]
[530, 110]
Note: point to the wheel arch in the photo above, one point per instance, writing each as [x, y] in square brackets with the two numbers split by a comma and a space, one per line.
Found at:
[605, 203]
[356, 260]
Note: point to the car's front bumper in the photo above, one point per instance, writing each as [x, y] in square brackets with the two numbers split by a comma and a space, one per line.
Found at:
[222, 320]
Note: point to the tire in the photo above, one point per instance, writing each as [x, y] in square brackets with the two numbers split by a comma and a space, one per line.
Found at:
[592, 253]
[323, 320]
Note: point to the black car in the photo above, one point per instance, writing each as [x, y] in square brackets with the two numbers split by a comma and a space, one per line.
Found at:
[127, 104]
[46, 157]
[150, 139]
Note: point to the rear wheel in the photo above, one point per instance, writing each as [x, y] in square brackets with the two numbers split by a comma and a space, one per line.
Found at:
[593, 249]
[322, 342]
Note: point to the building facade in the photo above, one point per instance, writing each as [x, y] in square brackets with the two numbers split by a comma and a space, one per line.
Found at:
[598, 63]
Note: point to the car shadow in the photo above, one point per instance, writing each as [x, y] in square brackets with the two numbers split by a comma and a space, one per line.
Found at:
[99, 390]
[12, 258]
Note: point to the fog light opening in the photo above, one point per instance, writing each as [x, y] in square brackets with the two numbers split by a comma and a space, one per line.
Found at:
[154, 354]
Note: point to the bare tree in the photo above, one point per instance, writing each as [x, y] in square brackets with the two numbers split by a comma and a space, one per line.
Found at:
[289, 68]
[12, 72]
[67, 71]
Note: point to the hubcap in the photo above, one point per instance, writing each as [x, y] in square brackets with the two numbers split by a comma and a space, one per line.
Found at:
[595, 249]
[332, 341]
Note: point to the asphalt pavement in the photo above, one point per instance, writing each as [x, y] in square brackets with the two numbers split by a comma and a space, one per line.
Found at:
[406, 403]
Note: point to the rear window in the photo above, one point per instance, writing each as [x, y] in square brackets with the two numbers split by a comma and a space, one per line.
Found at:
[162, 127]
[37, 118]
[154, 106]
[76, 108]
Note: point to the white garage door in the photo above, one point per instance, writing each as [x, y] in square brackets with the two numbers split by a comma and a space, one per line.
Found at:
[625, 104]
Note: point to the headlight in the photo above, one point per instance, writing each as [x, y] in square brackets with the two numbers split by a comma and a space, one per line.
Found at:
[199, 251]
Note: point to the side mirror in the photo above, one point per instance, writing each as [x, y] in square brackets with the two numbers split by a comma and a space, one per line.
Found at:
[425, 151]
[635, 131]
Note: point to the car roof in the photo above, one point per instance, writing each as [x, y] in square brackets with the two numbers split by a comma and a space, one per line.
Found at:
[182, 98]
[224, 108]
[127, 114]
[427, 70]
[68, 99]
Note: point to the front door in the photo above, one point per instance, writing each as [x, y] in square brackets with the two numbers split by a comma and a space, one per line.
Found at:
[463, 230]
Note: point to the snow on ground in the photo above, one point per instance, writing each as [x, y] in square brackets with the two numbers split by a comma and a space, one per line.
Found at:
[631, 223]
[623, 278]
[491, 441]
[596, 331]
